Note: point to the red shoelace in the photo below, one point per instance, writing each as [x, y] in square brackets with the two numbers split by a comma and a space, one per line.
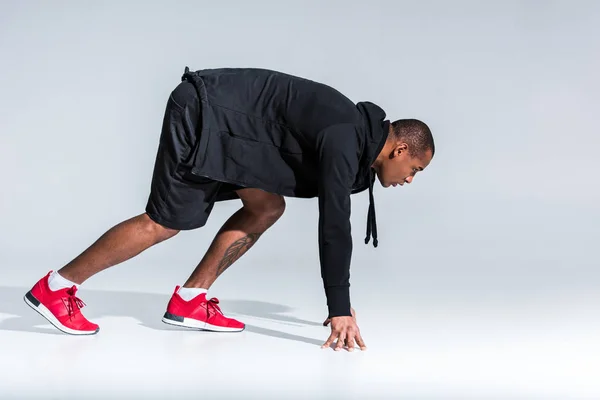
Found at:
[213, 303]
[72, 303]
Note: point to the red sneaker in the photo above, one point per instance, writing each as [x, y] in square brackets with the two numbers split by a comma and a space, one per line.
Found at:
[61, 308]
[199, 313]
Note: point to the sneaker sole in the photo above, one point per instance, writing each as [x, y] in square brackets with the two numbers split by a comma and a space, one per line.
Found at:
[34, 303]
[176, 320]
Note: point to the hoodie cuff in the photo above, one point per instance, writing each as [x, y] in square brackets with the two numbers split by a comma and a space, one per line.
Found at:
[338, 301]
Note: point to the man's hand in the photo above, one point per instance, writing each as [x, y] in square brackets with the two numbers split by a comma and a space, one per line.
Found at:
[346, 331]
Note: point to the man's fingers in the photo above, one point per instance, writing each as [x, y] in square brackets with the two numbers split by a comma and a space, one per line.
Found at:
[360, 341]
[341, 340]
[344, 333]
[329, 341]
[350, 341]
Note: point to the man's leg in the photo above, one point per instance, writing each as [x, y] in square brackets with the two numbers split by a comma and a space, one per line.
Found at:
[259, 212]
[189, 305]
[54, 295]
[120, 243]
[173, 204]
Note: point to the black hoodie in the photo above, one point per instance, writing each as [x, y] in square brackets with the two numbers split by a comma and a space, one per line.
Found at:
[298, 138]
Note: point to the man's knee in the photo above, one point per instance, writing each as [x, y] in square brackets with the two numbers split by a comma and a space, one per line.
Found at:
[274, 208]
[270, 210]
[159, 232]
[267, 206]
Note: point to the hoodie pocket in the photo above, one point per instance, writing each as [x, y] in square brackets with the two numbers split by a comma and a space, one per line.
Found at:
[255, 162]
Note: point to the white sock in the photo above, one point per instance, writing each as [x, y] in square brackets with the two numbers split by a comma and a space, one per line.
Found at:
[189, 293]
[57, 282]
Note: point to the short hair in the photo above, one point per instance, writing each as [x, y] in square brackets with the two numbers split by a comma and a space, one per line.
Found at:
[416, 133]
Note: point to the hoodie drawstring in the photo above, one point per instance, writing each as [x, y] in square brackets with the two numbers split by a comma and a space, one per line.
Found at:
[371, 220]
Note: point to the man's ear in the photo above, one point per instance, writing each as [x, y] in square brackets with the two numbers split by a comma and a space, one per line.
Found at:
[399, 149]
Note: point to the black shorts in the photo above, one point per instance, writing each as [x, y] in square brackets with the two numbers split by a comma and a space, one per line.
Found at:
[178, 199]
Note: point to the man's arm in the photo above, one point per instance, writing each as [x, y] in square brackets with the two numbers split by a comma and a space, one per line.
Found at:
[338, 166]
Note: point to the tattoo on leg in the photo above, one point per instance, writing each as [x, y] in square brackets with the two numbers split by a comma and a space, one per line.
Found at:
[236, 249]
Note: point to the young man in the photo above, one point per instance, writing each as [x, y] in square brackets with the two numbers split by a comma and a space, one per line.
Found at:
[258, 136]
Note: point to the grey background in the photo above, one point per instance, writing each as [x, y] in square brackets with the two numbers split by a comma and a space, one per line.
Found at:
[510, 90]
[502, 227]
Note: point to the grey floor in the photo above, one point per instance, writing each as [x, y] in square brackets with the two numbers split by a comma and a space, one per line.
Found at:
[425, 342]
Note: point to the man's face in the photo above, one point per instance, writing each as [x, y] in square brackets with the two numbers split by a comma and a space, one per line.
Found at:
[399, 167]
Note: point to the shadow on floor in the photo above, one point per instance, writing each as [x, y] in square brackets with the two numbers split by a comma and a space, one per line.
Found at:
[148, 308]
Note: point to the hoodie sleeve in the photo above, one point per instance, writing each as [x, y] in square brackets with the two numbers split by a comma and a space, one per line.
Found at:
[338, 165]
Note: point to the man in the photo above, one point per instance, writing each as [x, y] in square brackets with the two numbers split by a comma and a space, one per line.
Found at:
[258, 136]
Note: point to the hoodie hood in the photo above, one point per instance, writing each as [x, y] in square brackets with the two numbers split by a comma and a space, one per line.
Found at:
[376, 133]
